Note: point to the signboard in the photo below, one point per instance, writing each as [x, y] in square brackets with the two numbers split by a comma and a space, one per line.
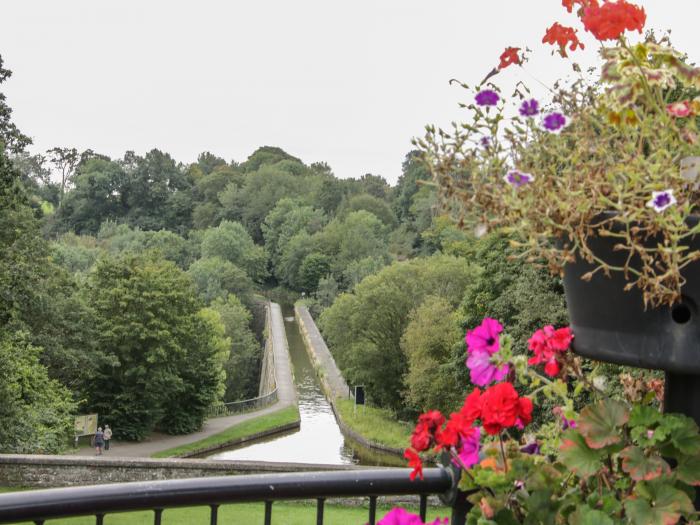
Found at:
[85, 425]
[359, 395]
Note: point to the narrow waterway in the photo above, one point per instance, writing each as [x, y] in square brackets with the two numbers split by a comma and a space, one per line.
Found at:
[319, 439]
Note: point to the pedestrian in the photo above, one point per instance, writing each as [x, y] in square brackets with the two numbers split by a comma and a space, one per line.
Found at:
[107, 436]
[99, 441]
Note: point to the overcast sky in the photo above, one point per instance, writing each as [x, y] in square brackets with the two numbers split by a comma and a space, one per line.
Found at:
[349, 83]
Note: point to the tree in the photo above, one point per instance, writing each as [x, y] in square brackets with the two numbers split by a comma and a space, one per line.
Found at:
[215, 277]
[364, 328]
[284, 221]
[99, 195]
[266, 155]
[149, 325]
[262, 189]
[36, 413]
[376, 206]
[314, 267]
[243, 365]
[65, 161]
[428, 341]
[230, 241]
[201, 373]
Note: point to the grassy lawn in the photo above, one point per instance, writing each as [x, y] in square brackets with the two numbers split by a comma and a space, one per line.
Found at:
[244, 429]
[282, 514]
[374, 424]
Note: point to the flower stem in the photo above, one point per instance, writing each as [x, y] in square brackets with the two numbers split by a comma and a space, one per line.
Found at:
[503, 453]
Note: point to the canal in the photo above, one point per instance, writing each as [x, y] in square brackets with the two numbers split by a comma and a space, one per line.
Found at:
[319, 439]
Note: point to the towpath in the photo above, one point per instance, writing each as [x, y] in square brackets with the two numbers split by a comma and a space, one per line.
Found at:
[286, 395]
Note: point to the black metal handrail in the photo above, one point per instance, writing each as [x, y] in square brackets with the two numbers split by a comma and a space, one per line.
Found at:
[98, 500]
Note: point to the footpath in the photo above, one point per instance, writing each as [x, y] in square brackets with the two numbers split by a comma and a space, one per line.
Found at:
[286, 396]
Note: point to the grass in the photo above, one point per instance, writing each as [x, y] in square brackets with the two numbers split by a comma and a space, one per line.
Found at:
[282, 514]
[374, 424]
[242, 430]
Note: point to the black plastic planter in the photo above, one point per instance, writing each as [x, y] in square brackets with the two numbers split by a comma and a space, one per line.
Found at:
[612, 325]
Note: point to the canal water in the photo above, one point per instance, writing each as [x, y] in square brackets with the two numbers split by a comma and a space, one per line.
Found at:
[319, 439]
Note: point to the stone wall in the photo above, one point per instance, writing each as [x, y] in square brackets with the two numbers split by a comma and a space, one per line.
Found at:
[17, 470]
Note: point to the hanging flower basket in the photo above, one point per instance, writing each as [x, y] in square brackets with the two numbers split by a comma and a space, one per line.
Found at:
[613, 325]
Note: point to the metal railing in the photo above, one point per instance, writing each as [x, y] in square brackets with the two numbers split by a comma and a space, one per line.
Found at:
[246, 405]
[99, 500]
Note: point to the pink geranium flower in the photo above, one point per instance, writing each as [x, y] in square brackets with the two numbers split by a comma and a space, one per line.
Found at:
[399, 516]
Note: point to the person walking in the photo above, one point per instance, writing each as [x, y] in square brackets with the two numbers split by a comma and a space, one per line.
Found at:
[99, 441]
[107, 436]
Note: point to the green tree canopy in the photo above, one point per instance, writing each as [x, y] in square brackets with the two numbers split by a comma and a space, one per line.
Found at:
[215, 277]
[230, 241]
[364, 328]
[164, 356]
[243, 365]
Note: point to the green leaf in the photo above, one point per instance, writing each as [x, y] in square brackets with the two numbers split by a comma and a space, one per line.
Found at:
[640, 467]
[644, 416]
[688, 470]
[666, 507]
[600, 423]
[685, 435]
[585, 515]
[578, 457]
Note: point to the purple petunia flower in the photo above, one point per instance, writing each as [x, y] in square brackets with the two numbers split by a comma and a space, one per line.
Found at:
[532, 448]
[660, 200]
[482, 371]
[518, 178]
[555, 122]
[487, 97]
[485, 336]
[529, 108]
[469, 448]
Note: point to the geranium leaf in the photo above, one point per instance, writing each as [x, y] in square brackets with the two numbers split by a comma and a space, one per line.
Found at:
[666, 508]
[645, 416]
[585, 515]
[640, 467]
[578, 457]
[688, 470]
[600, 423]
[685, 435]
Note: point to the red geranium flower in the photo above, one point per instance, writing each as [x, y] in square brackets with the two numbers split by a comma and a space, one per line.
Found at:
[547, 343]
[503, 408]
[569, 4]
[424, 433]
[415, 462]
[509, 56]
[609, 20]
[561, 36]
[471, 409]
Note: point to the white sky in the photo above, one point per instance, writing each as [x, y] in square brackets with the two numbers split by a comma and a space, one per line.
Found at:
[349, 83]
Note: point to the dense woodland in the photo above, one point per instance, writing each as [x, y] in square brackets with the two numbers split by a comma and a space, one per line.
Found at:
[128, 286]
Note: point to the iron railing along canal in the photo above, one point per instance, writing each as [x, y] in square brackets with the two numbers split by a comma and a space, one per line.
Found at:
[246, 405]
[99, 500]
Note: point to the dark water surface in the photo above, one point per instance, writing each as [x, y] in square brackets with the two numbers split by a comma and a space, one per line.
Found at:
[319, 439]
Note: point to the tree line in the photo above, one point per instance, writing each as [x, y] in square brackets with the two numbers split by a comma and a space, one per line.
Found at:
[128, 286]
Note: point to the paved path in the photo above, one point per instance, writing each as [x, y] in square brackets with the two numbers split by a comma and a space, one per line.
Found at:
[321, 354]
[286, 394]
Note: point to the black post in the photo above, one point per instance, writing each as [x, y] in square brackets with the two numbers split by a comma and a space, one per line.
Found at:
[682, 395]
